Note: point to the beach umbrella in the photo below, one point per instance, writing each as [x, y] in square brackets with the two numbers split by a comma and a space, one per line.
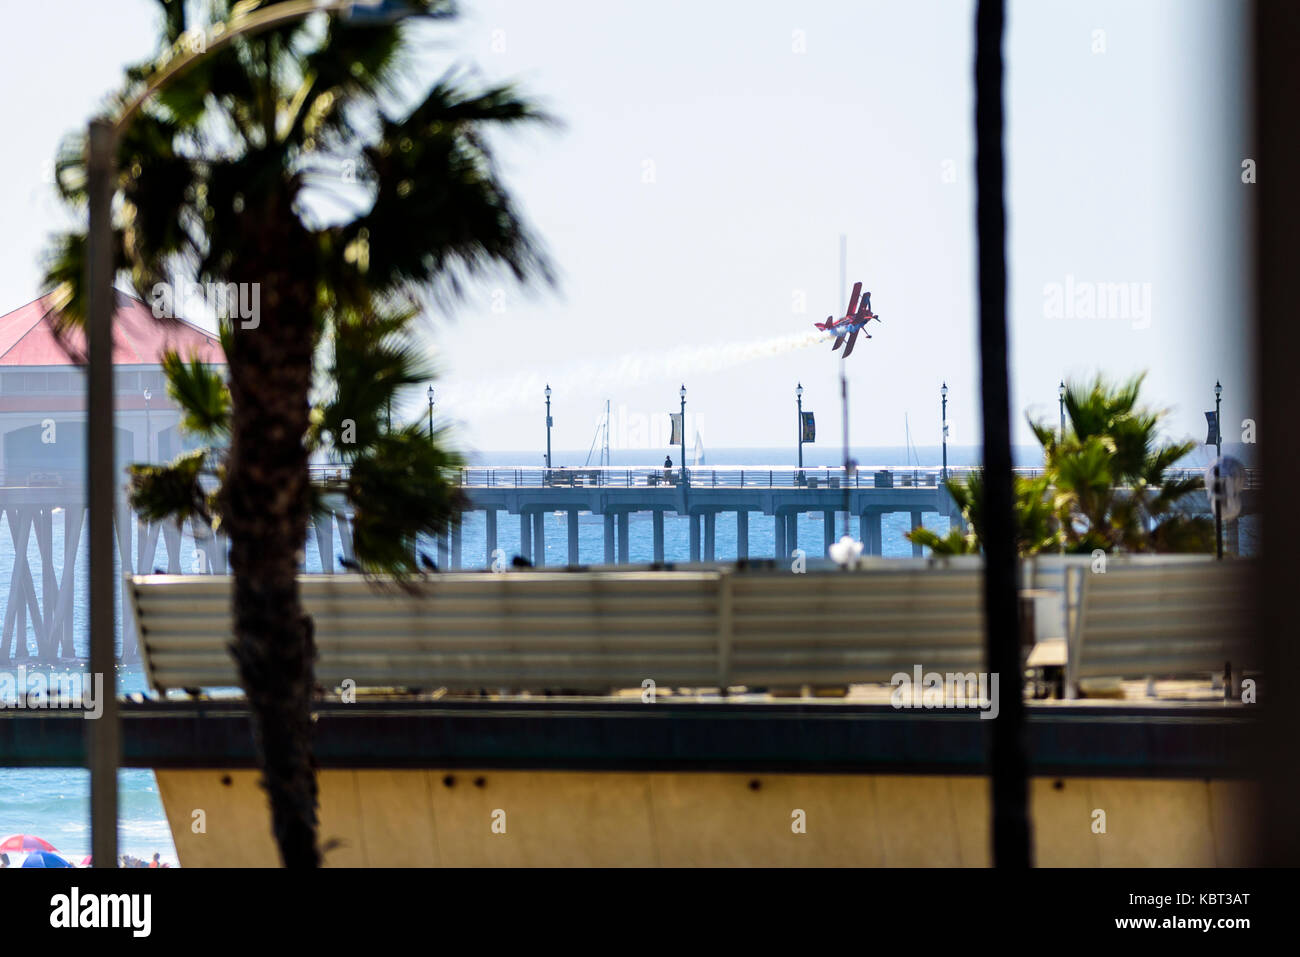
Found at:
[25, 842]
[45, 859]
[85, 861]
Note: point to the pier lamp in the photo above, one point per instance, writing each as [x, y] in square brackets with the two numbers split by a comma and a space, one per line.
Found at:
[148, 428]
[943, 393]
[548, 426]
[682, 392]
[798, 395]
[429, 393]
[1060, 397]
[1218, 471]
[1218, 424]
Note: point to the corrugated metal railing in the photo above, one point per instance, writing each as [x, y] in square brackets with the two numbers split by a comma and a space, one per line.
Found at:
[588, 630]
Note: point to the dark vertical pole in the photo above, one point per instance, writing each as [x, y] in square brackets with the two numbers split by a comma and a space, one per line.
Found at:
[548, 426]
[945, 431]
[1218, 513]
[799, 399]
[1218, 422]
[1218, 473]
[1011, 838]
[848, 462]
[683, 434]
[1275, 201]
[101, 485]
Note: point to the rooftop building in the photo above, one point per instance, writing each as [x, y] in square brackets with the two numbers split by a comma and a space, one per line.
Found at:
[43, 392]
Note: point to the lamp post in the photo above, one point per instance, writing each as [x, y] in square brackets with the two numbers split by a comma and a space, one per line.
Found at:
[943, 392]
[548, 426]
[429, 393]
[1218, 471]
[682, 393]
[102, 139]
[148, 428]
[1060, 401]
[798, 395]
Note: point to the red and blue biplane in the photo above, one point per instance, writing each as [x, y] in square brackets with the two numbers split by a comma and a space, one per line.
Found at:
[858, 315]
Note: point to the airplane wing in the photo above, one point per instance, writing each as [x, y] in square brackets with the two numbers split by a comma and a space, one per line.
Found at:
[853, 301]
[853, 337]
[838, 342]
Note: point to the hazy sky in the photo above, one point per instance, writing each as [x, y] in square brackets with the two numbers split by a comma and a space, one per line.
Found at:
[713, 153]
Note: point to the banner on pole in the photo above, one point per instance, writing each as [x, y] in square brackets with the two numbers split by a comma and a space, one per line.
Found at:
[1212, 420]
[809, 428]
[677, 428]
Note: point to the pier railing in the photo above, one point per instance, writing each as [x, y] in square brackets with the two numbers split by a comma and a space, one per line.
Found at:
[641, 476]
[748, 476]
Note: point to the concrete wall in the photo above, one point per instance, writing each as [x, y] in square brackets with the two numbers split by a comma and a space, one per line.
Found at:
[425, 818]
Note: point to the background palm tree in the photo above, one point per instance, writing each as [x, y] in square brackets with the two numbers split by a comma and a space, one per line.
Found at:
[1105, 484]
[221, 179]
[1110, 476]
[1035, 525]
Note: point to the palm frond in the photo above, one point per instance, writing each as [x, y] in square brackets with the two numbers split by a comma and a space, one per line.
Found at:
[953, 543]
[440, 212]
[201, 394]
[401, 485]
[373, 361]
[173, 491]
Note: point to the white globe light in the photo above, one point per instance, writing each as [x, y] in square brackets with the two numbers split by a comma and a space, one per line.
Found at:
[846, 552]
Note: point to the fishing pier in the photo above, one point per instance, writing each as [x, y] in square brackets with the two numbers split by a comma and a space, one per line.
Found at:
[778, 494]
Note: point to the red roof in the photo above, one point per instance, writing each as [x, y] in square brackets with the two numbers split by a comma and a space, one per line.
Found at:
[27, 337]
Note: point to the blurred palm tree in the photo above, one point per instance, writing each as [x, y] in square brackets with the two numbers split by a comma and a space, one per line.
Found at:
[282, 162]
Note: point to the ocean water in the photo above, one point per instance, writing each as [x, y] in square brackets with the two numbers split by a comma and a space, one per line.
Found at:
[54, 803]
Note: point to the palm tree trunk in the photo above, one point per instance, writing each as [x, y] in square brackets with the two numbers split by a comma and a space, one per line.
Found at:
[1011, 836]
[265, 512]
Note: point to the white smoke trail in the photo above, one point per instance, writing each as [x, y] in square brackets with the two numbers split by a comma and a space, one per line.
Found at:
[600, 377]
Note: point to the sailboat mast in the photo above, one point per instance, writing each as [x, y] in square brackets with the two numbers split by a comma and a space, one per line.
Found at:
[604, 454]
